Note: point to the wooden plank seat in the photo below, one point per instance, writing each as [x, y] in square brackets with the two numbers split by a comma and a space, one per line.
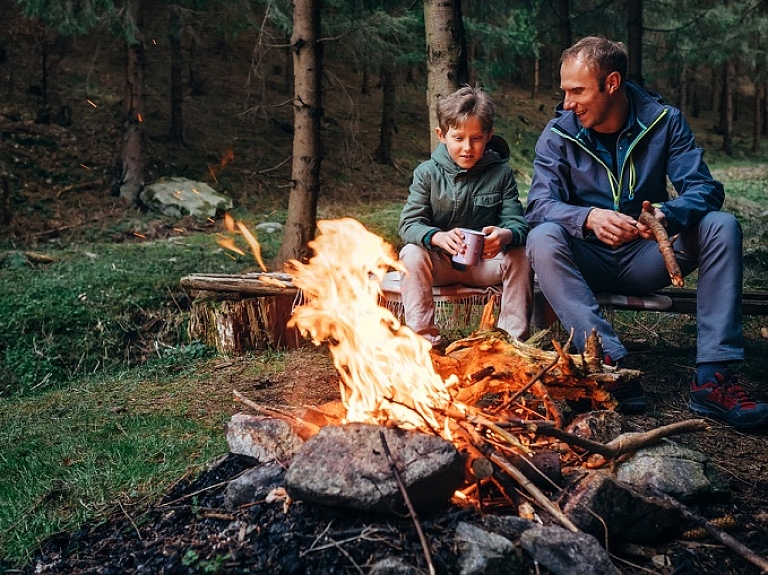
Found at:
[670, 300]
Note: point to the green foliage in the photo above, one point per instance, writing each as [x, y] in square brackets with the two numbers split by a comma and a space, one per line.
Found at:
[69, 18]
[100, 308]
[66, 454]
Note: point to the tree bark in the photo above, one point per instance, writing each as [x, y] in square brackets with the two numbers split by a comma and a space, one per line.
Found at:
[564, 24]
[307, 151]
[728, 92]
[446, 54]
[177, 94]
[635, 40]
[383, 154]
[134, 139]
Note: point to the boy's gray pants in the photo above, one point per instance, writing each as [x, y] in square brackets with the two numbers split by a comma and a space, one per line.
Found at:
[427, 268]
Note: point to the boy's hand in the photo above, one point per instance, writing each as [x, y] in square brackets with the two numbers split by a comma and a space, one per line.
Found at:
[495, 239]
[451, 241]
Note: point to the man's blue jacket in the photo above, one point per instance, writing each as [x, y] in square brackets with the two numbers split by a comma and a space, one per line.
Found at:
[572, 170]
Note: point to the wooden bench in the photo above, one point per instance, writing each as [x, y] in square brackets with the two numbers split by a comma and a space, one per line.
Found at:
[241, 313]
[456, 306]
[669, 300]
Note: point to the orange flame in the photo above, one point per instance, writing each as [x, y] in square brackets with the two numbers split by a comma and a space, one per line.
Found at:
[386, 370]
[229, 243]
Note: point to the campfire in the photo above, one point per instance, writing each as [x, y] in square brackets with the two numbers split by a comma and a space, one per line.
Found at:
[495, 398]
[502, 404]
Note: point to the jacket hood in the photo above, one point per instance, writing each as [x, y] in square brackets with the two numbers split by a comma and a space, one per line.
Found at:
[496, 152]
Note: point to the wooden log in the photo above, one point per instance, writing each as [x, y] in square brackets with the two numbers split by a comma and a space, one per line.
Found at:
[235, 325]
[253, 284]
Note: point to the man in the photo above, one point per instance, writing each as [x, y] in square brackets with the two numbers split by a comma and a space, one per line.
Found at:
[611, 146]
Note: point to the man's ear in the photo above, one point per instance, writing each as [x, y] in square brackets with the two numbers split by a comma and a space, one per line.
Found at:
[440, 135]
[612, 82]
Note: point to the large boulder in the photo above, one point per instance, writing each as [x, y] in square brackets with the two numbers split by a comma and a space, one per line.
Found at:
[178, 197]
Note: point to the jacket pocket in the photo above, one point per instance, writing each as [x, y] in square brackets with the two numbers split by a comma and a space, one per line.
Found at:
[487, 200]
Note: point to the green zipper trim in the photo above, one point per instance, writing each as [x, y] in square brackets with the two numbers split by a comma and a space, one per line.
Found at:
[616, 183]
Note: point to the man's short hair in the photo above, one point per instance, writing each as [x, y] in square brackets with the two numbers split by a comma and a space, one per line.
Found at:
[602, 57]
[454, 109]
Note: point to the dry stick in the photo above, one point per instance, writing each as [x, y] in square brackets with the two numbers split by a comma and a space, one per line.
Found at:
[624, 443]
[665, 246]
[305, 429]
[534, 491]
[716, 533]
[479, 445]
[411, 510]
[538, 376]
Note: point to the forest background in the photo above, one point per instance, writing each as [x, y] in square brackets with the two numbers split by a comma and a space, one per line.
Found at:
[103, 398]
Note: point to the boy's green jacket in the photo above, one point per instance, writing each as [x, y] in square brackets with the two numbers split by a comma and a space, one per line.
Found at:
[444, 196]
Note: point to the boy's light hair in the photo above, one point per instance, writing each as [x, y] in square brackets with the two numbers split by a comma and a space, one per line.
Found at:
[454, 109]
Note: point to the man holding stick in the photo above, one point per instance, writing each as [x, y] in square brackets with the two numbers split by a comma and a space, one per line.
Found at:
[602, 161]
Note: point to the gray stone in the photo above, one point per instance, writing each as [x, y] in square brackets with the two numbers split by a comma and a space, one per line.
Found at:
[346, 466]
[262, 438]
[566, 553]
[597, 501]
[254, 484]
[683, 473]
[484, 553]
[509, 526]
[392, 566]
[178, 197]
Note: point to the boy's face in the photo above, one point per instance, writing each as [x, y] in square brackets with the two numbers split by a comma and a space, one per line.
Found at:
[466, 143]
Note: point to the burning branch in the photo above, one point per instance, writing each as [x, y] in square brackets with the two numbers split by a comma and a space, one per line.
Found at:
[665, 246]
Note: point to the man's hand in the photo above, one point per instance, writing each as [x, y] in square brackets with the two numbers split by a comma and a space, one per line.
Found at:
[645, 231]
[611, 227]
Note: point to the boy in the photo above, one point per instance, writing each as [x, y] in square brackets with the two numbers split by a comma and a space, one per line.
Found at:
[467, 183]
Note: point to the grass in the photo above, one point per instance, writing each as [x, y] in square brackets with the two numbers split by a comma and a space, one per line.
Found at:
[102, 399]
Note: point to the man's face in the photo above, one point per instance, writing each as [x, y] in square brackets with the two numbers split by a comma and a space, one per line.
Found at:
[466, 144]
[581, 87]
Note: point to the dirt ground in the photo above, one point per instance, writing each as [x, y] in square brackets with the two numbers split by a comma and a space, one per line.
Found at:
[190, 530]
[60, 178]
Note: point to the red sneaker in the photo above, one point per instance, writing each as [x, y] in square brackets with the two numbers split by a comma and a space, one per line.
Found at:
[727, 400]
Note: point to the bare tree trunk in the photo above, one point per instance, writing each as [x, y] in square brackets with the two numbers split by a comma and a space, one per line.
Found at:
[728, 94]
[764, 108]
[564, 24]
[635, 40]
[383, 154]
[177, 95]
[535, 87]
[6, 213]
[758, 112]
[307, 152]
[446, 53]
[682, 95]
[134, 144]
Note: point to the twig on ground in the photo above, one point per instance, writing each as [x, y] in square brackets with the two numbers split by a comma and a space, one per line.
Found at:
[716, 533]
[411, 510]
